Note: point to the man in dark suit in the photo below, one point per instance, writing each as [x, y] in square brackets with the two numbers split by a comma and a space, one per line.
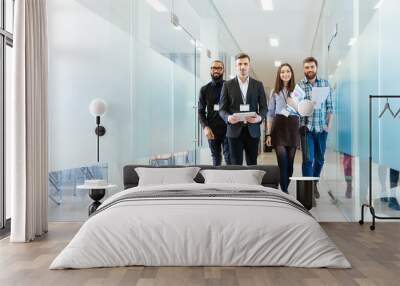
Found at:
[213, 125]
[243, 94]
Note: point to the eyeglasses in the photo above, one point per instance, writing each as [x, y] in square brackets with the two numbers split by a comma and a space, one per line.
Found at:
[217, 68]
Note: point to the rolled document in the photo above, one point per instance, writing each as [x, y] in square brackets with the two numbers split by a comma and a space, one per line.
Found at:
[305, 107]
[297, 103]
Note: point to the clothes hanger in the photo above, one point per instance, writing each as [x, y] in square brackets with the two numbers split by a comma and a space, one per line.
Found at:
[397, 113]
[386, 107]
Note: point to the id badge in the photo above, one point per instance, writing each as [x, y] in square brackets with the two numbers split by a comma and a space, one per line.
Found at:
[216, 107]
[285, 112]
[244, 107]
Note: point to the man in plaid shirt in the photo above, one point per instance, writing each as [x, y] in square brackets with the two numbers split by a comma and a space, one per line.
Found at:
[315, 128]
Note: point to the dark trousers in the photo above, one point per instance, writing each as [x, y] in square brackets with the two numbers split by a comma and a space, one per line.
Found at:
[285, 157]
[394, 178]
[215, 147]
[243, 142]
[313, 145]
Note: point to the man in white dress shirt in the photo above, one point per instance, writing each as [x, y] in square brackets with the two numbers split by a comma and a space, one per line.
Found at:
[243, 94]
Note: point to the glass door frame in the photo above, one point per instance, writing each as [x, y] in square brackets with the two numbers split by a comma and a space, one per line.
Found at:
[6, 39]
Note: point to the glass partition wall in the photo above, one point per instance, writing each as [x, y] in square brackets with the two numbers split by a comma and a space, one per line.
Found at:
[356, 44]
[147, 59]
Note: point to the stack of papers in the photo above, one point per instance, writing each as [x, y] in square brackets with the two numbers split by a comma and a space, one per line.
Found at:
[305, 107]
[319, 95]
[297, 96]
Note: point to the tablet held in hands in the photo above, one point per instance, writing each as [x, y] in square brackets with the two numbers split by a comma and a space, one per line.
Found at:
[243, 115]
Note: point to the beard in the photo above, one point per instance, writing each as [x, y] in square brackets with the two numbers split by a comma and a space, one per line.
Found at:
[310, 75]
[216, 77]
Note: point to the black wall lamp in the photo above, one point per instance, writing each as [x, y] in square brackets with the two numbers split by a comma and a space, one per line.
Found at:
[97, 108]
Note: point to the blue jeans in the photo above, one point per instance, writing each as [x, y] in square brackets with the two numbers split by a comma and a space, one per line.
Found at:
[215, 148]
[313, 146]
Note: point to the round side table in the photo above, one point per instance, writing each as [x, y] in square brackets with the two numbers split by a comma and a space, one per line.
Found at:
[96, 193]
[305, 190]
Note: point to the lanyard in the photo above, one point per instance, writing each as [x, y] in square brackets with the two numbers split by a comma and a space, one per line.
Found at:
[243, 98]
[241, 92]
[285, 95]
[240, 87]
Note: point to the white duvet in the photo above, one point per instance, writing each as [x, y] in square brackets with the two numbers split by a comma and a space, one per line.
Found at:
[199, 231]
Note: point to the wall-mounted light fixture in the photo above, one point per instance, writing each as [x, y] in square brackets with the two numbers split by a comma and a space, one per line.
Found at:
[97, 108]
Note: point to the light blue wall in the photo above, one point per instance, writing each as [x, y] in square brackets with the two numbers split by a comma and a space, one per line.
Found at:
[368, 67]
[149, 73]
[390, 80]
[87, 59]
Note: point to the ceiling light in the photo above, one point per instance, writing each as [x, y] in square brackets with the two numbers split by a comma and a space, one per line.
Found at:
[352, 41]
[157, 5]
[267, 5]
[274, 42]
[197, 44]
[178, 27]
[339, 63]
[175, 22]
[277, 63]
[378, 5]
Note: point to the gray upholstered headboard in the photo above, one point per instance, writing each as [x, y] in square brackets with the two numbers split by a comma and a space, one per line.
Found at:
[270, 179]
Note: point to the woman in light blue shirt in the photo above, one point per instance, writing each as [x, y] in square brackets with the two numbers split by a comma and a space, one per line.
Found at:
[283, 124]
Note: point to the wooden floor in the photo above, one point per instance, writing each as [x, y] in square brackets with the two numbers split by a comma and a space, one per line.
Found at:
[375, 257]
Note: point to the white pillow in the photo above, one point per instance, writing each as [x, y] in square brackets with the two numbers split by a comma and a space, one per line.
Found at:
[248, 177]
[166, 176]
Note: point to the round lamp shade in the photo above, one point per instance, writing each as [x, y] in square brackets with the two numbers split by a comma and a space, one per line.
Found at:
[306, 107]
[97, 107]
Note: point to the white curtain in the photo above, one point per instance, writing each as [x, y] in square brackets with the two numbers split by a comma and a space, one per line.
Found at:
[28, 161]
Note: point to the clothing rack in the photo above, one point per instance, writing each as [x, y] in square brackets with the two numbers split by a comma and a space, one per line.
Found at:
[369, 205]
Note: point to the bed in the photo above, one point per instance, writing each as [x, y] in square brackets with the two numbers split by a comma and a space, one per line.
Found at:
[197, 224]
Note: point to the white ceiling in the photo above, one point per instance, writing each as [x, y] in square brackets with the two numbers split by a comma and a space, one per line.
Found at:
[294, 22]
